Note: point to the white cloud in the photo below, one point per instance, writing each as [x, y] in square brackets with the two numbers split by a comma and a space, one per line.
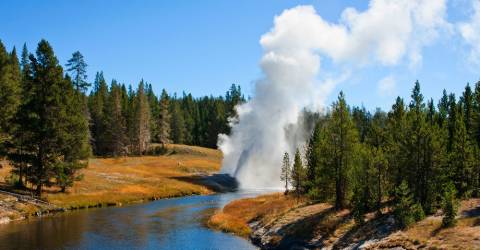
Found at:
[386, 86]
[389, 32]
[470, 32]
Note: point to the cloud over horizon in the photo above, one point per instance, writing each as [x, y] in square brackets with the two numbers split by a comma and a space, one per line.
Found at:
[386, 34]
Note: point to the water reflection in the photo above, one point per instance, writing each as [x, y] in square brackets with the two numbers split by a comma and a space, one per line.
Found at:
[163, 224]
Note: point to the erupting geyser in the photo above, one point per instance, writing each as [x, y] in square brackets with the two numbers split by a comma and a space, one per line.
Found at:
[270, 123]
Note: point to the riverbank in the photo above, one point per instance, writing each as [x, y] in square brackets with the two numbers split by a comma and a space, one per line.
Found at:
[278, 222]
[181, 171]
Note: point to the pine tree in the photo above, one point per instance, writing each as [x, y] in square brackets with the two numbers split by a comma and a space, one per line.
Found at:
[97, 105]
[54, 128]
[313, 157]
[397, 142]
[164, 119]
[468, 109]
[450, 205]
[10, 79]
[343, 141]
[298, 173]
[286, 171]
[406, 210]
[177, 124]
[443, 109]
[462, 157]
[75, 137]
[141, 138]
[78, 68]
[115, 122]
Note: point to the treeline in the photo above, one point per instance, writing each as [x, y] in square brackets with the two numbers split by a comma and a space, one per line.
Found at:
[127, 121]
[417, 157]
[49, 125]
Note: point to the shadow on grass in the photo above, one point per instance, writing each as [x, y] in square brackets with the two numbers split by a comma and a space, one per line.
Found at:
[216, 182]
[324, 223]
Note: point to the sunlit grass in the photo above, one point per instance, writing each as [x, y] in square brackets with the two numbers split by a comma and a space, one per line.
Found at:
[114, 181]
[236, 215]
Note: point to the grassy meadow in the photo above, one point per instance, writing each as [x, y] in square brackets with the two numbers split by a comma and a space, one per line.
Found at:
[115, 181]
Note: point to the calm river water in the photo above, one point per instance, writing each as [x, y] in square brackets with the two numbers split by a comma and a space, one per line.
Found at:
[163, 224]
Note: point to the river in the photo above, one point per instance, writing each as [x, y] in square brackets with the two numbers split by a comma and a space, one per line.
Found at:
[163, 224]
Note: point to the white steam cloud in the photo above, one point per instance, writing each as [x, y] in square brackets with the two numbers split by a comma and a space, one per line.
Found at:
[470, 32]
[270, 124]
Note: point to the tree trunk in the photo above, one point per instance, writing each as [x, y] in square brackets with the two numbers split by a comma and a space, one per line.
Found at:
[38, 191]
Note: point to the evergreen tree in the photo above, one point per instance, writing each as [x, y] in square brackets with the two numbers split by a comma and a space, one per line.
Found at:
[468, 109]
[164, 119]
[54, 129]
[443, 109]
[10, 80]
[141, 119]
[406, 210]
[298, 173]
[313, 157]
[74, 136]
[78, 69]
[97, 105]
[450, 205]
[116, 124]
[343, 140]
[177, 124]
[286, 171]
[396, 132]
[462, 157]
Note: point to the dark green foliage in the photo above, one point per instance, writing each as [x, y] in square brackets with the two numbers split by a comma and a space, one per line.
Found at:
[449, 205]
[50, 126]
[286, 175]
[358, 207]
[297, 173]
[78, 69]
[164, 119]
[177, 124]
[362, 161]
[406, 210]
[10, 80]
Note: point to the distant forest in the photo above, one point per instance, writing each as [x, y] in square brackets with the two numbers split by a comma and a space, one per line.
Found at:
[50, 123]
[418, 157]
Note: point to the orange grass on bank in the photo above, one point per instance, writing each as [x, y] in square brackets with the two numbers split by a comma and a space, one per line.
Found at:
[236, 215]
[114, 181]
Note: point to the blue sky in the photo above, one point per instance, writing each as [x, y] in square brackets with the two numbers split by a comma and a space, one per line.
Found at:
[203, 47]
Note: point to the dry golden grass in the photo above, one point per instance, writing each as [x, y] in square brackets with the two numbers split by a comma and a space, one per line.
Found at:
[464, 235]
[236, 215]
[336, 228]
[110, 181]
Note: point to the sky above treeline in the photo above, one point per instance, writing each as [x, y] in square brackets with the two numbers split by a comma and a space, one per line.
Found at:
[202, 47]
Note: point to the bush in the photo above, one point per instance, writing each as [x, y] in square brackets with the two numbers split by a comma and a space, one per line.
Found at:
[157, 150]
[12, 180]
[417, 212]
[449, 206]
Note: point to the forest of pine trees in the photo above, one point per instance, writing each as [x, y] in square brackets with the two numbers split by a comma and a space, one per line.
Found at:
[52, 119]
[417, 158]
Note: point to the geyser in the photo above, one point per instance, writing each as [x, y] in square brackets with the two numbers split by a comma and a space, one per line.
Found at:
[270, 123]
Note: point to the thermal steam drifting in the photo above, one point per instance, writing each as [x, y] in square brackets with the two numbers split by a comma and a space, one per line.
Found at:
[268, 125]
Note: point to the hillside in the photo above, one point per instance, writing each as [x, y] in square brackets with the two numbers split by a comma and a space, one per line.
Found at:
[278, 222]
[116, 181]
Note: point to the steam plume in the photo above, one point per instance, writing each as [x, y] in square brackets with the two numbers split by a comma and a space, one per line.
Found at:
[269, 124]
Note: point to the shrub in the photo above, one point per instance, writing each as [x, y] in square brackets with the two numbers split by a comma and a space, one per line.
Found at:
[12, 180]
